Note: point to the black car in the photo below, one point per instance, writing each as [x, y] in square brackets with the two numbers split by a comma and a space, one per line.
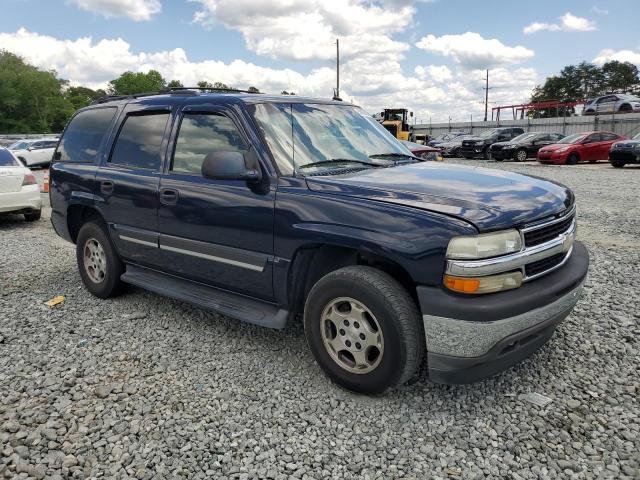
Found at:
[523, 146]
[385, 258]
[480, 145]
[444, 138]
[626, 151]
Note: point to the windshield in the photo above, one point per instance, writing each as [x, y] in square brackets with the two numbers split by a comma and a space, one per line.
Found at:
[575, 138]
[488, 133]
[301, 134]
[637, 137]
[523, 137]
[19, 145]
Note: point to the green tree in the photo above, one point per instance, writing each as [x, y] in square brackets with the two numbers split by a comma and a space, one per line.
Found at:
[204, 84]
[253, 90]
[130, 83]
[621, 77]
[31, 100]
[175, 84]
[82, 96]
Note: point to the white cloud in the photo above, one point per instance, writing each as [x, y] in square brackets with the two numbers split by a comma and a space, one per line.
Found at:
[137, 10]
[599, 11]
[437, 73]
[471, 50]
[307, 29]
[435, 91]
[568, 23]
[608, 55]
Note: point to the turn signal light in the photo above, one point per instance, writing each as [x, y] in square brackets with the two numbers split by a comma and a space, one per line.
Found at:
[490, 284]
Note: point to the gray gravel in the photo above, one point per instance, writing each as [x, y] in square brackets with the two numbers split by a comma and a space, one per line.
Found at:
[146, 387]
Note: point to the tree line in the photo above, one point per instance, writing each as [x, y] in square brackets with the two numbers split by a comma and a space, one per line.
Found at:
[586, 81]
[38, 101]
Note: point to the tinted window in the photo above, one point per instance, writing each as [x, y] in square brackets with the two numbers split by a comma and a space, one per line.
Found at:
[139, 141]
[607, 136]
[36, 145]
[201, 134]
[594, 137]
[49, 144]
[7, 160]
[82, 138]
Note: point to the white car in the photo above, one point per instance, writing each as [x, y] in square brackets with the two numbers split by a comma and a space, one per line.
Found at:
[19, 190]
[35, 152]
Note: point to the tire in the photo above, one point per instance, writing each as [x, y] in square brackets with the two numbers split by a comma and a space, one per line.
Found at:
[33, 216]
[397, 346]
[455, 152]
[573, 159]
[101, 276]
[625, 108]
[592, 161]
[520, 155]
[617, 163]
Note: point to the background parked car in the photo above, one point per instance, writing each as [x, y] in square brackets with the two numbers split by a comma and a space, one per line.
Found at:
[19, 190]
[586, 147]
[617, 103]
[452, 147]
[445, 137]
[627, 151]
[480, 145]
[423, 151]
[35, 153]
[523, 146]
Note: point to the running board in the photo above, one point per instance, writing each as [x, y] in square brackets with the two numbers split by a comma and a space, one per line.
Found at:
[204, 296]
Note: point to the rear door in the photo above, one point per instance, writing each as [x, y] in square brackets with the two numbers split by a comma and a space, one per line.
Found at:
[127, 183]
[607, 104]
[218, 232]
[607, 139]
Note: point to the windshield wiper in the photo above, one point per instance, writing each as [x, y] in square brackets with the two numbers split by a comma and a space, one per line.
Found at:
[395, 154]
[337, 160]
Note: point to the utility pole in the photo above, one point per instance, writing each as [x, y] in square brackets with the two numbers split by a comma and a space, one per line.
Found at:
[486, 97]
[336, 94]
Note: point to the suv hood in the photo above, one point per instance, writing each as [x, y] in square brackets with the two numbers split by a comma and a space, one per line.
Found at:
[488, 199]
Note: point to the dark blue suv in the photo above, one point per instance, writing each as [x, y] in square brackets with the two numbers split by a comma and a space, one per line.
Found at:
[268, 208]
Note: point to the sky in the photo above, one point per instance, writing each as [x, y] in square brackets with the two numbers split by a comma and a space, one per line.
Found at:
[429, 56]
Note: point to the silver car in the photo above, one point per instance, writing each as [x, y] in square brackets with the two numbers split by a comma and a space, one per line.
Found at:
[614, 103]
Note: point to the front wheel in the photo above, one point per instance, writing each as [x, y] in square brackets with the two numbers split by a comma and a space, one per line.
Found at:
[573, 159]
[98, 263]
[364, 329]
[617, 163]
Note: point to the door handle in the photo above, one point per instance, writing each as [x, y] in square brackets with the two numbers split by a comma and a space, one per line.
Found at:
[168, 196]
[106, 187]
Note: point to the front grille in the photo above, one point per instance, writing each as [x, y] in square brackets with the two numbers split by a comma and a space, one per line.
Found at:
[549, 232]
[543, 265]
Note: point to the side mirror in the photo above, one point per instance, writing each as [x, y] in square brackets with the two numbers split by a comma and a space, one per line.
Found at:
[229, 165]
[29, 149]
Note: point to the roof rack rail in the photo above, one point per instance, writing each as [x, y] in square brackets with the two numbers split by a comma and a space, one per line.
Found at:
[206, 89]
[110, 98]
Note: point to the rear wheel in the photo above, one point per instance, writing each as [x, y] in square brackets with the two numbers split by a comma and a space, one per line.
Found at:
[626, 108]
[521, 155]
[573, 159]
[33, 216]
[364, 329]
[98, 263]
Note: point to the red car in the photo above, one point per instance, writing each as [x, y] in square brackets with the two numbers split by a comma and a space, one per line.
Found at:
[580, 147]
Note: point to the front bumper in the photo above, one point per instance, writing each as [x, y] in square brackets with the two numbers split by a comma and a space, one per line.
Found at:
[25, 200]
[627, 156]
[552, 157]
[472, 337]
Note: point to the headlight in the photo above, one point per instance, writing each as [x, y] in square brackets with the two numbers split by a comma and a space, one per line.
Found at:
[563, 149]
[486, 245]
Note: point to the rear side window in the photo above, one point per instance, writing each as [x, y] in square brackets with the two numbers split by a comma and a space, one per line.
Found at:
[84, 135]
[7, 159]
[605, 137]
[138, 144]
[201, 134]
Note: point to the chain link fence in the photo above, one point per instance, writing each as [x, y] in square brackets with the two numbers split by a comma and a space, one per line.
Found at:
[627, 124]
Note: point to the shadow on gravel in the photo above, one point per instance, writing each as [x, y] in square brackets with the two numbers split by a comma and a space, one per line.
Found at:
[15, 222]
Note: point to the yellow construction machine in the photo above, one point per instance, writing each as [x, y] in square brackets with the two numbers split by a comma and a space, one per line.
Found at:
[395, 120]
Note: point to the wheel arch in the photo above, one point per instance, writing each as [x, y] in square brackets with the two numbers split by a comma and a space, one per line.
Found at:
[78, 215]
[312, 262]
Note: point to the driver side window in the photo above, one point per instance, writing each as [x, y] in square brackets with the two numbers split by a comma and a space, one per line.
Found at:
[201, 134]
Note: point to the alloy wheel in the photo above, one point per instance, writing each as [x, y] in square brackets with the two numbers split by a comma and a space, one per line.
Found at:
[95, 260]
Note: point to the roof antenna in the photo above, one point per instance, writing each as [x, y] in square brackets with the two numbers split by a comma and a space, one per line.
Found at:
[336, 91]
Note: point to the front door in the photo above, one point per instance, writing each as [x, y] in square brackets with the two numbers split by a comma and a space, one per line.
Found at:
[218, 232]
[127, 183]
[591, 148]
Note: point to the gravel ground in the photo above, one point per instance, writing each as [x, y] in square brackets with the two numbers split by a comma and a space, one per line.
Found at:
[146, 387]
